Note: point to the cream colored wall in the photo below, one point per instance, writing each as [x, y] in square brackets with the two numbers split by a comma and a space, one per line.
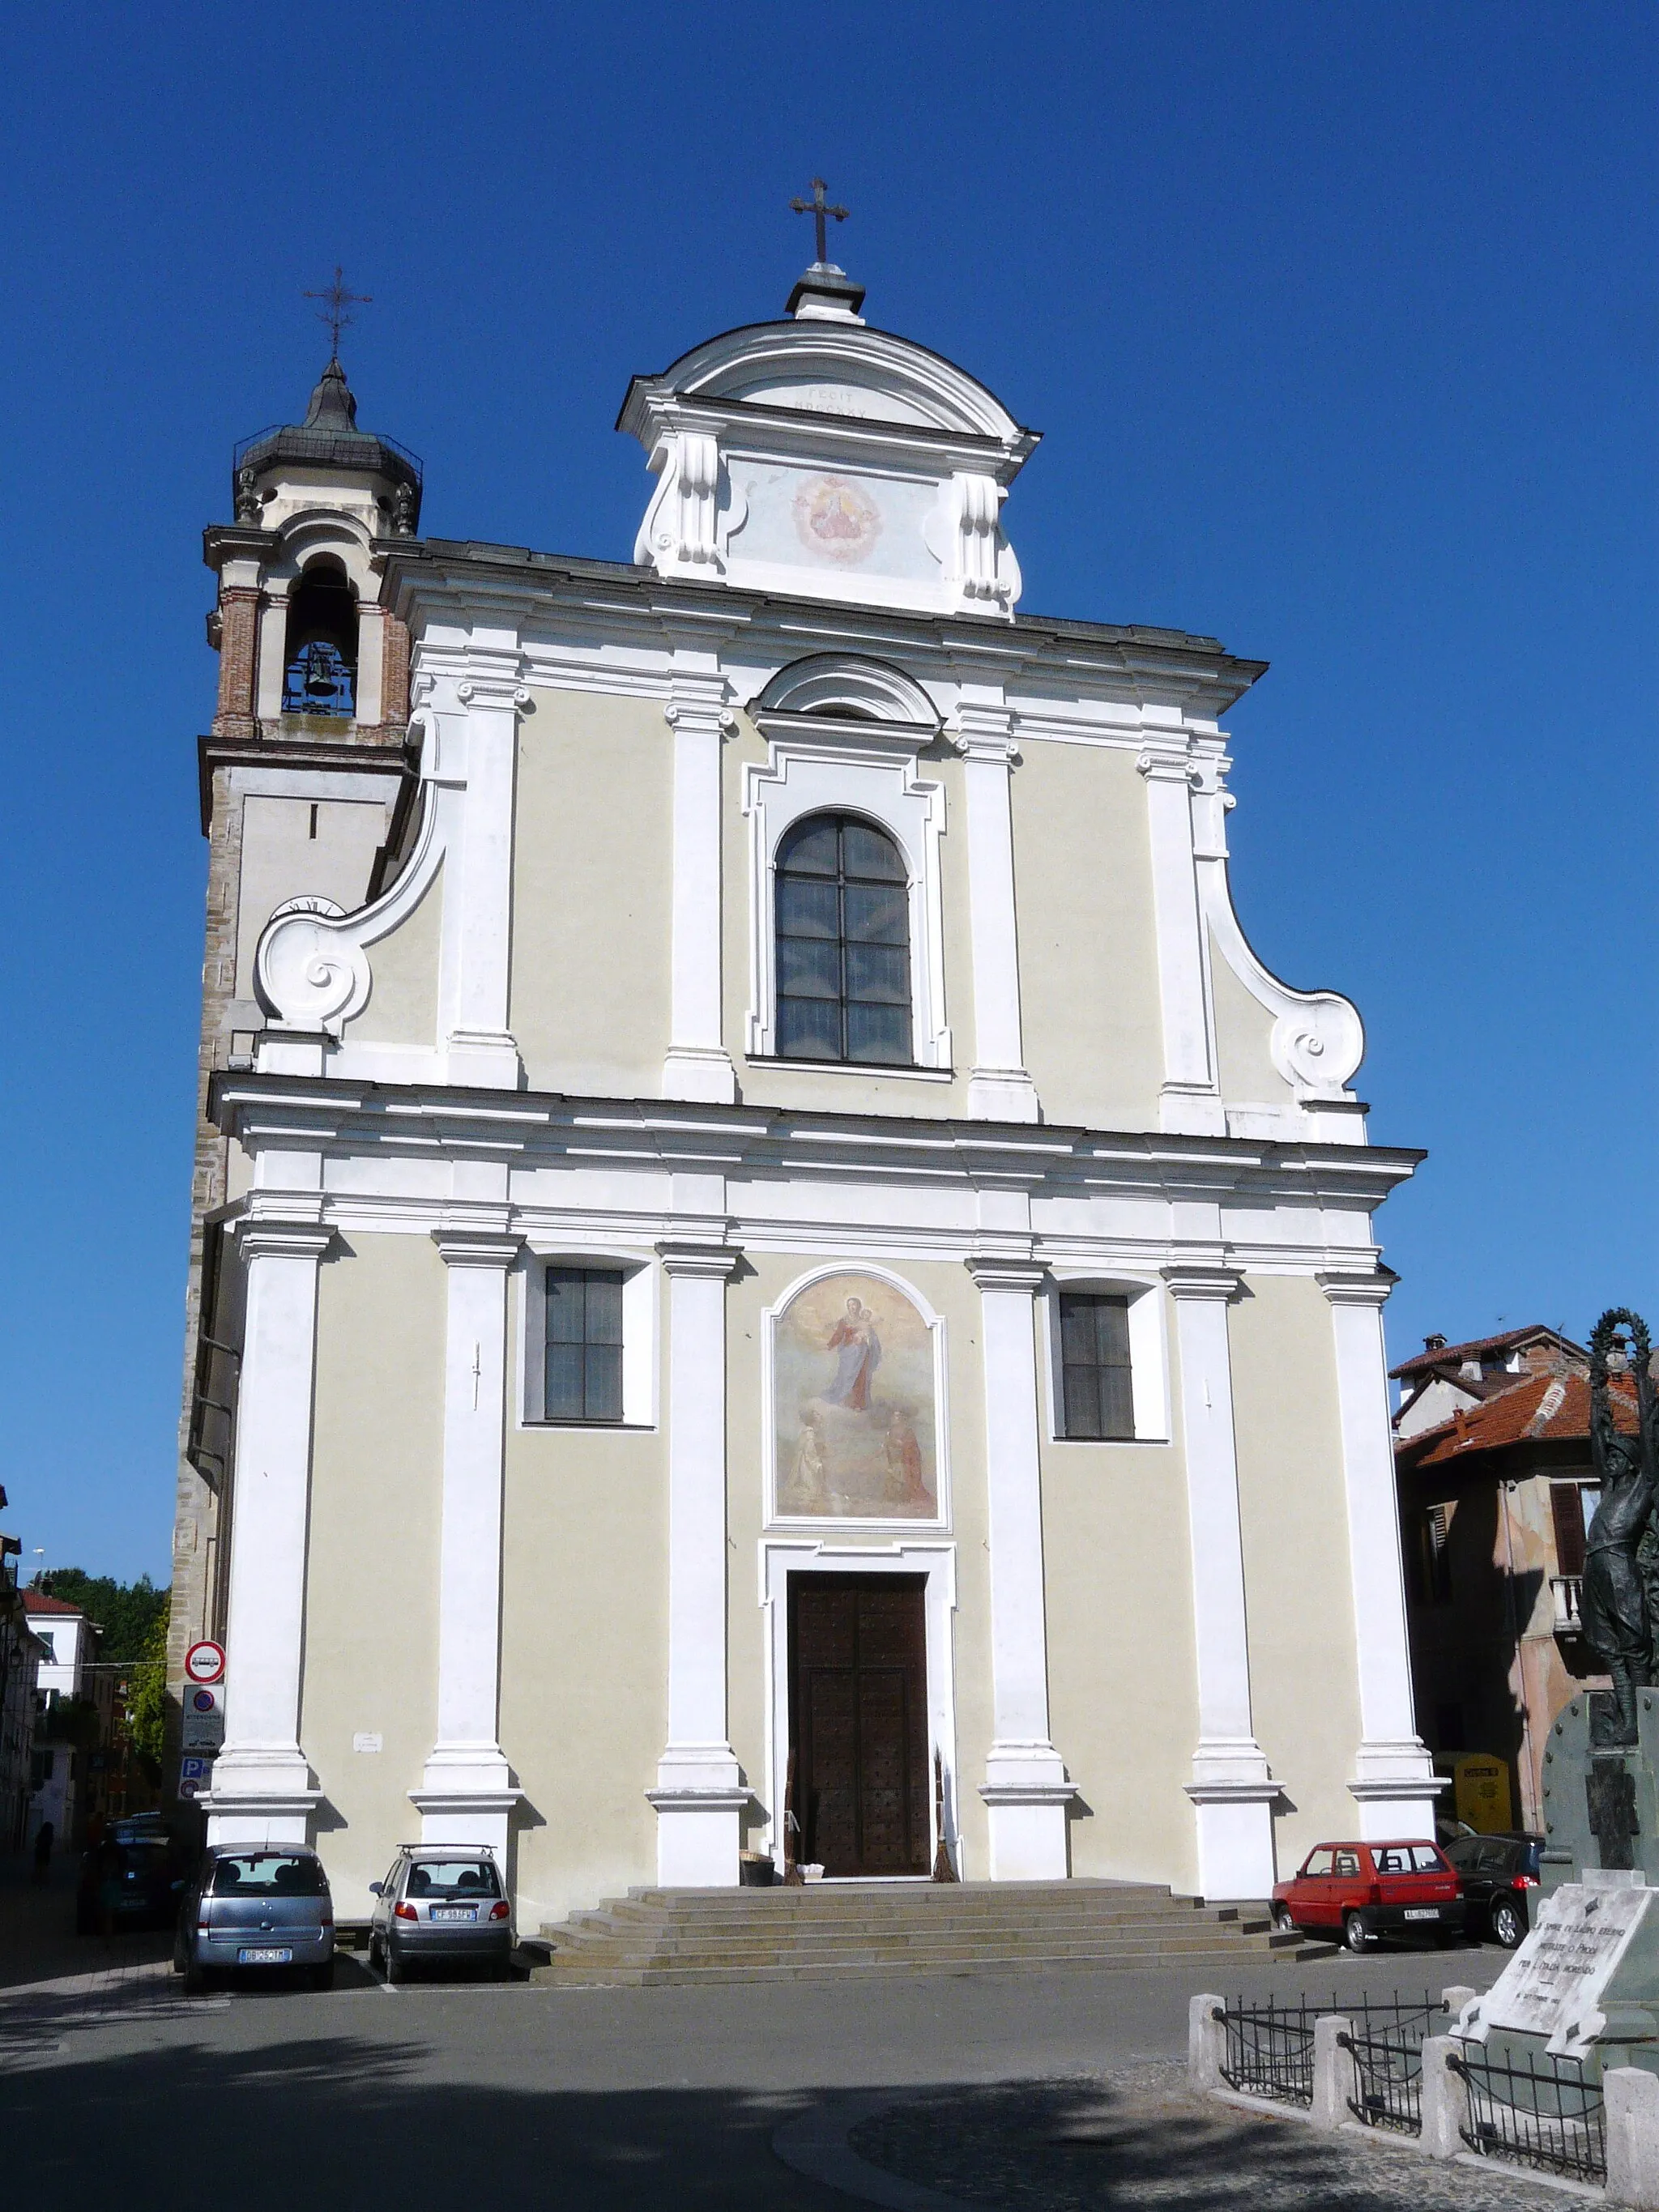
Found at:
[1122, 1684]
[281, 859]
[372, 1572]
[947, 1288]
[1298, 1591]
[584, 1710]
[402, 1001]
[1244, 1027]
[839, 1091]
[592, 892]
[1087, 952]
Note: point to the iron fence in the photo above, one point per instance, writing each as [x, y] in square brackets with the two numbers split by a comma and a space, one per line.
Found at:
[1549, 2116]
[1387, 2049]
[1270, 2050]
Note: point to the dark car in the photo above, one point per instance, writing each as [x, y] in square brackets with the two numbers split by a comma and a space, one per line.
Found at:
[1354, 1892]
[259, 1906]
[1496, 1873]
[133, 1879]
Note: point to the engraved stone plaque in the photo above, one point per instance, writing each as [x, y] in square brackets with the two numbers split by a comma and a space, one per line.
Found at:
[1555, 1985]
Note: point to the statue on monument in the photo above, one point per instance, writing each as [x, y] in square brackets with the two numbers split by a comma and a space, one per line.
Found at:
[1619, 1605]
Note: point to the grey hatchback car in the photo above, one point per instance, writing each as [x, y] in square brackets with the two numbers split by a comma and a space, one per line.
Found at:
[256, 1906]
[437, 1905]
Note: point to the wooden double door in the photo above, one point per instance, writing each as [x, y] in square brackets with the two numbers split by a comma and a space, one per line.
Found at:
[858, 1722]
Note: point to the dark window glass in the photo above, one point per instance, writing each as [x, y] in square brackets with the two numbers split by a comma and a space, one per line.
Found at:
[268, 1874]
[1095, 1395]
[843, 943]
[583, 1344]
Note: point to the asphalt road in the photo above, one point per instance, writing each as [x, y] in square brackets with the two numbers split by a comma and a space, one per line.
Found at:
[447, 2094]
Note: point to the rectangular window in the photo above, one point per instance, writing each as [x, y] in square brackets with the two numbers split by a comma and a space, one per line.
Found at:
[1096, 1393]
[1567, 1510]
[584, 1370]
[1434, 1555]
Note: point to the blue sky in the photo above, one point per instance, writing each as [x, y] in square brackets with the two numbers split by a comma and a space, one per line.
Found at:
[1342, 324]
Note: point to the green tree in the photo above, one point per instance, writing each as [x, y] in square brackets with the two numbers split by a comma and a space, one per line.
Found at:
[147, 1697]
[126, 1612]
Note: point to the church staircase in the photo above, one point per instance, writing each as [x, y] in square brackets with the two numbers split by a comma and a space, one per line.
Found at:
[866, 1931]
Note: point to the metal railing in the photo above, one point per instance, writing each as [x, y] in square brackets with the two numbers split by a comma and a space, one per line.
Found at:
[1549, 2116]
[1270, 2050]
[1387, 2050]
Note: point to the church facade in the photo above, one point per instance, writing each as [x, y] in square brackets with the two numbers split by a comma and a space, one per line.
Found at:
[771, 1263]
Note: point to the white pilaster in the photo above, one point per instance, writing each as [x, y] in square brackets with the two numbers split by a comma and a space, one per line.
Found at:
[697, 1065]
[1394, 1782]
[1189, 1100]
[480, 1046]
[999, 1087]
[1232, 1787]
[262, 1786]
[1025, 1789]
[700, 1792]
[466, 1792]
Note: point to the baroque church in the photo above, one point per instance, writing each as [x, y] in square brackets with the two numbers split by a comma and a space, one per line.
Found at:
[773, 1274]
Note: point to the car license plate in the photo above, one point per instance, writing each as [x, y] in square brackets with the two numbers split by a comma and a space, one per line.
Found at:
[266, 1954]
[454, 1912]
[1422, 1913]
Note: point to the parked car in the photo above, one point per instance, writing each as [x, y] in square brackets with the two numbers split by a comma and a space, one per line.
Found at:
[1496, 1871]
[132, 1878]
[436, 1906]
[258, 1906]
[1357, 1891]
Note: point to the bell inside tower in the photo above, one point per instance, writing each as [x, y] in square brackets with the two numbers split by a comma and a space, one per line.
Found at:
[319, 662]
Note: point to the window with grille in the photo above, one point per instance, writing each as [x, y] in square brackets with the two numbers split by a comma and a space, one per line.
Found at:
[584, 1372]
[1097, 1396]
[843, 943]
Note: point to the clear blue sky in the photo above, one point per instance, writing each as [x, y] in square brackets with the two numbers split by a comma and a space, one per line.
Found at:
[1342, 323]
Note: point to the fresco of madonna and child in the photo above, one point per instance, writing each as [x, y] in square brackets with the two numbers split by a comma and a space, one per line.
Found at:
[853, 1394]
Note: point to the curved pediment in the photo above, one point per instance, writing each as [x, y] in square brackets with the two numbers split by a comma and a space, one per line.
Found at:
[849, 686]
[861, 374]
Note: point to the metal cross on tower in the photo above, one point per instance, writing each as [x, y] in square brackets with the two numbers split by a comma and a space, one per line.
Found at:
[817, 207]
[334, 314]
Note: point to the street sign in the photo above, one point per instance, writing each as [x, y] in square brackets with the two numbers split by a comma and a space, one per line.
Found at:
[204, 1662]
[202, 1731]
[203, 1701]
[195, 1775]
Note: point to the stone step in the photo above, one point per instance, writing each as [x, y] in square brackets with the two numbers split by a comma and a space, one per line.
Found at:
[577, 1974]
[683, 1944]
[927, 1929]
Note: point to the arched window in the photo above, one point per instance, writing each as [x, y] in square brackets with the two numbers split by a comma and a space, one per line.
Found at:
[320, 666]
[843, 942]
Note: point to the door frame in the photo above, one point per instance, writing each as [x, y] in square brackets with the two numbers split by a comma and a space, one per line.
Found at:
[936, 1562]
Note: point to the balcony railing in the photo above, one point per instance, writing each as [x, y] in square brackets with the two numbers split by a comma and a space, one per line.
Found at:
[1564, 1589]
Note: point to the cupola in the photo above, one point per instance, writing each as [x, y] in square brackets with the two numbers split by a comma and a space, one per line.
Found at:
[283, 469]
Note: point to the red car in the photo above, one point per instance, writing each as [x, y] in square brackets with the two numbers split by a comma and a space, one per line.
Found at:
[1358, 1891]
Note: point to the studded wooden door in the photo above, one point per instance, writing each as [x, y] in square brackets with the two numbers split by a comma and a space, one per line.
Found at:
[858, 1679]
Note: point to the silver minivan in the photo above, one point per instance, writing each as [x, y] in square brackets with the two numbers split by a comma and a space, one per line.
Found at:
[257, 1907]
[439, 1905]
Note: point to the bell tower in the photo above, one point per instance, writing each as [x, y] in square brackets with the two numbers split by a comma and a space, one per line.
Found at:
[307, 788]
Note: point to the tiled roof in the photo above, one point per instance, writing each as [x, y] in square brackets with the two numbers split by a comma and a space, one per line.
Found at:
[1452, 1355]
[36, 1601]
[1540, 1408]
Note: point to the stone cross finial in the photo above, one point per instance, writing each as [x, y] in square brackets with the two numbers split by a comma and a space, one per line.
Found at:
[819, 208]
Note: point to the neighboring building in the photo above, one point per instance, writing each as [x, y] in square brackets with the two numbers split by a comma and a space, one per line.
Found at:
[1442, 1378]
[752, 1248]
[1495, 1503]
[60, 1766]
[21, 1654]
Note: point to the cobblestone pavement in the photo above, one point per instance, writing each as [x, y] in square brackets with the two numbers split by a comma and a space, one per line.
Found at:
[1138, 2137]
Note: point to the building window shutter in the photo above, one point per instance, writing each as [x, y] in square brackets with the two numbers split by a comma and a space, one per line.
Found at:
[583, 1373]
[1097, 1390]
[1566, 1506]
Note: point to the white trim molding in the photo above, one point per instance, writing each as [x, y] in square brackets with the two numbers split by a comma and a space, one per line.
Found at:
[467, 1791]
[934, 1323]
[823, 766]
[700, 1794]
[1394, 1784]
[262, 1791]
[1026, 1788]
[999, 1087]
[1231, 1788]
[698, 1066]
[780, 1556]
